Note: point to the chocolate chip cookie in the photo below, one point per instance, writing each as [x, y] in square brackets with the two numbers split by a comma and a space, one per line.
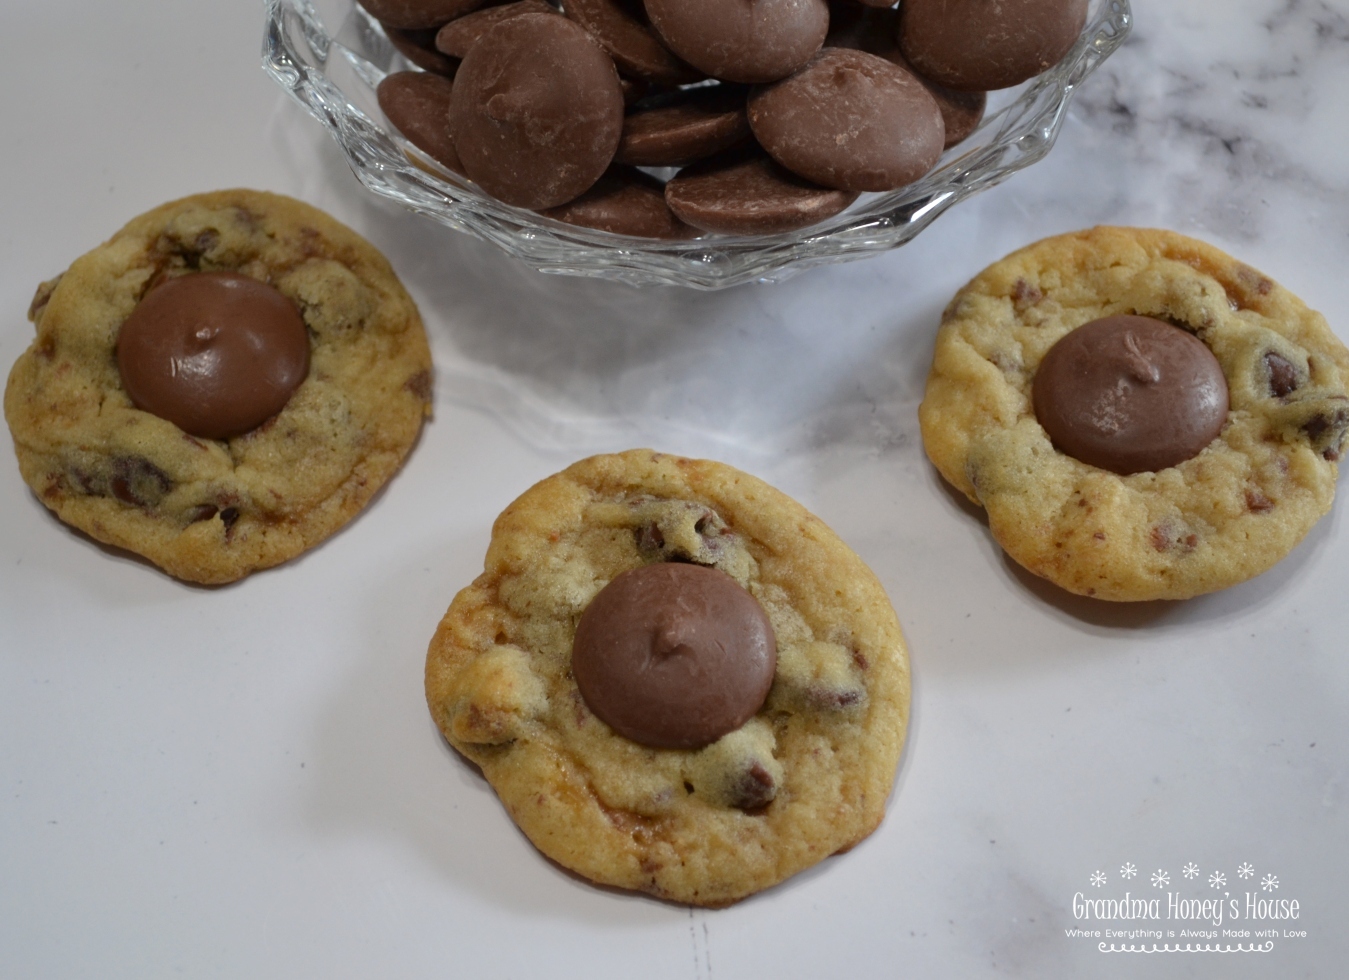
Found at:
[750, 660]
[220, 386]
[1141, 415]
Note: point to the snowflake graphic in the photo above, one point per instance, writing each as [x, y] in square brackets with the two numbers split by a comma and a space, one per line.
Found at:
[1160, 879]
[1269, 882]
[1190, 870]
[1098, 879]
[1128, 870]
[1217, 879]
[1245, 870]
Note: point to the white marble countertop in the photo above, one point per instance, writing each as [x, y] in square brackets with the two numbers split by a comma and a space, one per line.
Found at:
[245, 781]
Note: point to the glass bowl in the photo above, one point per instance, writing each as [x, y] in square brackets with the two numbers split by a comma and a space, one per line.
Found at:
[334, 76]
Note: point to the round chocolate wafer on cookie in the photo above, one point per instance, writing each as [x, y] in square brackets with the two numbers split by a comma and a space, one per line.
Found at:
[677, 679]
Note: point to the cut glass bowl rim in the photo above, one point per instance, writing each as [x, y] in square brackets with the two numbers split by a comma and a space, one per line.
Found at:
[334, 76]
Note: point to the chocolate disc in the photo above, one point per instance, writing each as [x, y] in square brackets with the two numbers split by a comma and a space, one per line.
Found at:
[961, 112]
[850, 120]
[419, 14]
[690, 126]
[742, 40]
[1130, 394]
[625, 201]
[215, 353]
[873, 31]
[460, 34]
[634, 91]
[865, 28]
[978, 45]
[622, 28]
[418, 106]
[674, 655]
[419, 48]
[537, 111]
[744, 192]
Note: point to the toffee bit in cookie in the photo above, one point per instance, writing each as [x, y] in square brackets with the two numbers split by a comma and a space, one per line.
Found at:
[1130, 394]
[674, 655]
[1170, 534]
[40, 297]
[419, 384]
[501, 694]
[1257, 502]
[1024, 294]
[1253, 281]
[215, 353]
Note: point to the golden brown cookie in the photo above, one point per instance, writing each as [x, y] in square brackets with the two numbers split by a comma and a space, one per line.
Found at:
[1209, 522]
[213, 510]
[804, 778]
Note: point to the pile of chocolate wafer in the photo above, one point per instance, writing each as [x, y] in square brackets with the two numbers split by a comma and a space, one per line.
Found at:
[772, 114]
